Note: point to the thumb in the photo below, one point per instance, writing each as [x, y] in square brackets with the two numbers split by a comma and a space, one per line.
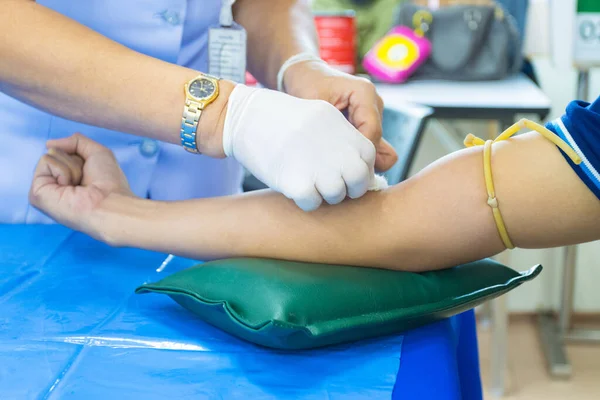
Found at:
[386, 156]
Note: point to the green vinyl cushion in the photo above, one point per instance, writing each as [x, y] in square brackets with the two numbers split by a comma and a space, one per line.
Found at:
[292, 305]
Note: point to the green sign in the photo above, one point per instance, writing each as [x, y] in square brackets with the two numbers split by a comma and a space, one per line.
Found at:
[588, 6]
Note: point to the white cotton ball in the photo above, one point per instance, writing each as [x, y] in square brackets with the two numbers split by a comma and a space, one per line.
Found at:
[379, 183]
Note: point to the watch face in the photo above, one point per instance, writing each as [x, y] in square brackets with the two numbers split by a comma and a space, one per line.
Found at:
[202, 88]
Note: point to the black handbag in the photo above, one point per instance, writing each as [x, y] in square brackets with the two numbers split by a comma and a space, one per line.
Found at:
[469, 43]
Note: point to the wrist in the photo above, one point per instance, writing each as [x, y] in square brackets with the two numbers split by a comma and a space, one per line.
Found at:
[299, 79]
[117, 219]
[209, 134]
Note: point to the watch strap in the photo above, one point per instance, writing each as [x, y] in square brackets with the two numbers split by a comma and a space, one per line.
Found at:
[189, 125]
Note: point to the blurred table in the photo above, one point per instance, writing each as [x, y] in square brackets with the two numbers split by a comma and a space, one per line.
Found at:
[71, 328]
[500, 101]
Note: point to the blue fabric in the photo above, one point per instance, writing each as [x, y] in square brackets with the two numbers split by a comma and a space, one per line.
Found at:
[71, 328]
[453, 345]
[580, 128]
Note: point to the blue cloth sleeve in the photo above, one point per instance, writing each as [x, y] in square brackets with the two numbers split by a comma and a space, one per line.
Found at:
[580, 128]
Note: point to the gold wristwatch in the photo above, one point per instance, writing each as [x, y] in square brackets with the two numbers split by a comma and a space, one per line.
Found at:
[199, 92]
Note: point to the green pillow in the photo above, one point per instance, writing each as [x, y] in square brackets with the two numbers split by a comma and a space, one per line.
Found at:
[292, 305]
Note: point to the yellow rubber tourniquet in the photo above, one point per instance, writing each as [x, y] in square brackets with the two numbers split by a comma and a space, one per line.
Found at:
[472, 140]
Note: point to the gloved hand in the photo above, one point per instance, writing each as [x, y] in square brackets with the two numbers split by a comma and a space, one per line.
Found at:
[354, 95]
[304, 149]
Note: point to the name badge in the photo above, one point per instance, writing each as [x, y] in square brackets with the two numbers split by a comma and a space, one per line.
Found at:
[227, 52]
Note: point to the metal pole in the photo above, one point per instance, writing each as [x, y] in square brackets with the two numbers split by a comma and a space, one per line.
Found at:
[583, 85]
[499, 356]
[568, 285]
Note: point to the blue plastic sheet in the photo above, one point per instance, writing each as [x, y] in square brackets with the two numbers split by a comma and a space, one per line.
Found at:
[71, 327]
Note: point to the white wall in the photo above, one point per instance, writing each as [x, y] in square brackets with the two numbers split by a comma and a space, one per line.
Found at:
[558, 79]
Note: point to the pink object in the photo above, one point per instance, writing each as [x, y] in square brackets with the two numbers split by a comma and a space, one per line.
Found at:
[250, 80]
[397, 55]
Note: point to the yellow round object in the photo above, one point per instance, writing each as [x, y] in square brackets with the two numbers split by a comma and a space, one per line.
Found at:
[398, 52]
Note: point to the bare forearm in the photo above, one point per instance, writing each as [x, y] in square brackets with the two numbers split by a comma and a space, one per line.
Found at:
[260, 224]
[61, 66]
[386, 229]
[277, 30]
[437, 219]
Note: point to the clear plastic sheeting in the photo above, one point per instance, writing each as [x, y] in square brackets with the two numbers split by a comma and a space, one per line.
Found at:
[71, 328]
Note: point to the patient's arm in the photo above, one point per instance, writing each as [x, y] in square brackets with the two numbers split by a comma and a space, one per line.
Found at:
[436, 219]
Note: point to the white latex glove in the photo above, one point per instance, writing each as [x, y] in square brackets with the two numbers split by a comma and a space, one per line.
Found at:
[304, 149]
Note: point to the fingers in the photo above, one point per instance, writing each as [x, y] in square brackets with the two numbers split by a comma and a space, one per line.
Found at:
[43, 178]
[50, 173]
[309, 200]
[369, 156]
[344, 169]
[366, 118]
[57, 169]
[331, 187]
[368, 121]
[357, 177]
[46, 173]
[72, 161]
[54, 187]
[366, 110]
[305, 196]
[77, 144]
[366, 114]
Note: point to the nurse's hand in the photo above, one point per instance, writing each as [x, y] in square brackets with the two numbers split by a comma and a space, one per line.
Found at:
[304, 149]
[73, 179]
[354, 95]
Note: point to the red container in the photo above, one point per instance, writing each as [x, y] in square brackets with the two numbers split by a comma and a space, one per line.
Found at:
[337, 39]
